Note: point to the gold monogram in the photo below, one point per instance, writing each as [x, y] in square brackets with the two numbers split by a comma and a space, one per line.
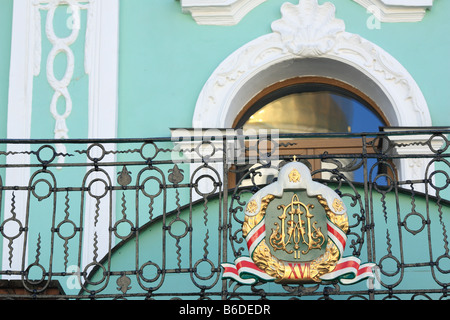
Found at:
[294, 176]
[295, 230]
[290, 272]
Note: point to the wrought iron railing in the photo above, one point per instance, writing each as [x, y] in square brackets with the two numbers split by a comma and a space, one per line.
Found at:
[156, 218]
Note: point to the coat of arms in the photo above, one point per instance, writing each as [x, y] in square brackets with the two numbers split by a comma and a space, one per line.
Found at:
[295, 229]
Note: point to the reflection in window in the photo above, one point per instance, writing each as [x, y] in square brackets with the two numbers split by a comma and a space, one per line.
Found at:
[313, 112]
[314, 108]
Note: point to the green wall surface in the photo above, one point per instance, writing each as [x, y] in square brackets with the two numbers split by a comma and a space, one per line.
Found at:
[166, 58]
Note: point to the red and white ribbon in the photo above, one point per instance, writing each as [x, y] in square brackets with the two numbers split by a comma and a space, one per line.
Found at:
[337, 236]
[255, 236]
[244, 270]
[348, 270]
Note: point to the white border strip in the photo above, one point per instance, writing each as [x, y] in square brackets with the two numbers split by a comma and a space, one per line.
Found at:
[19, 121]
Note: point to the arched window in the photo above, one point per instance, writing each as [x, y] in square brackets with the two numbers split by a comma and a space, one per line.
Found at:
[314, 46]
[313, 105]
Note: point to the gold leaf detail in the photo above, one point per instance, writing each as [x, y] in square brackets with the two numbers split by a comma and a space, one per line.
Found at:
[294, 176]
[251, 222]
[338, 205]
[252, 206]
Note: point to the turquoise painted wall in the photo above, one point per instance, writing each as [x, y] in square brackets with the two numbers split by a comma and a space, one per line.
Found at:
[166, 61]
[165, 57]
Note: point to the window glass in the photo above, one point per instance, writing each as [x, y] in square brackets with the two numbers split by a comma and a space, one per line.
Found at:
[312, 112]
[313, 108]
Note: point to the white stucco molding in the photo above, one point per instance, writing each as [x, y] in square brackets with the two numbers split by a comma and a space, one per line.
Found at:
[219, 12]
[397, 10]
[410, 145]
[22, 69]
[230, 12]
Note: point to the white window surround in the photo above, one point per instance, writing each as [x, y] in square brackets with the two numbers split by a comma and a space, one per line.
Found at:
[408, 3]
[309, 41]
[397, 10]
[101, 64]
[230, 12]
[219, 12]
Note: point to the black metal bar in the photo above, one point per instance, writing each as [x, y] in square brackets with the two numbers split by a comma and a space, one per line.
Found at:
[164, 193]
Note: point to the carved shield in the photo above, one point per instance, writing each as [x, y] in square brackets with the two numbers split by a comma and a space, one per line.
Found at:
[295, 229]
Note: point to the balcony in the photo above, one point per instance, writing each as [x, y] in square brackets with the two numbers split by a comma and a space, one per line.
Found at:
[134, 218]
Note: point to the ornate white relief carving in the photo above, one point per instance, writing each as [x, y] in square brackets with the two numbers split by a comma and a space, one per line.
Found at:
[59, 45]
[219, 12]
[299, 20]
[101, 64]
[309, 30]
[397, 10]
[309, 41]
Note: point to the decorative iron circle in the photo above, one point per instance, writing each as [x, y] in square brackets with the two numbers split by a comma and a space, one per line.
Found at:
[67, 222]
[205, 156]
[39, 156]
[439, 261]
[33, 189]
[201, 193]
[123, 221]
[381, 145]
[438, 136]
[90, 188]
[381, 188]
[27, 272]
[141, 150]
[91, 156]
[186, 228]
[7, 221]
[433, 184]
[405, 223]
[145, 192]
[264, 154]
[196, 269]
[386, 273]
[145, 265]
[94, 264]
